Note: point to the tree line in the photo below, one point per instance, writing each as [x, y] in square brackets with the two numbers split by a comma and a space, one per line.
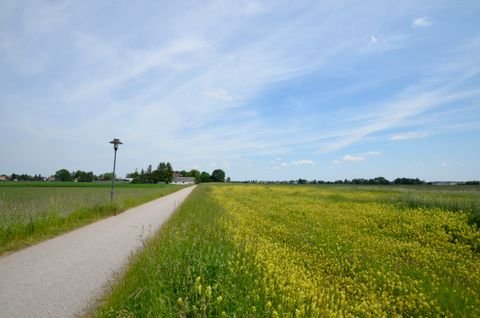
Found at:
[165, 173]
[360, 181]
[62, 175]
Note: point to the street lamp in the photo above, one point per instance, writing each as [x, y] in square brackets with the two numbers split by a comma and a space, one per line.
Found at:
[115, 143]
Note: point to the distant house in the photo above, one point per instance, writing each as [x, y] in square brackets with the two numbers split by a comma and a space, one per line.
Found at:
[183, 180]
[4, 178]
[51, 178]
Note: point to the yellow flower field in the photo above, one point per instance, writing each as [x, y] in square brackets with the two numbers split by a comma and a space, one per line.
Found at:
[244, 251]
[347, 257]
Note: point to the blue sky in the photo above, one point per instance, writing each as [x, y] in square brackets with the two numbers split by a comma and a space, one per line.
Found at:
[267, 90]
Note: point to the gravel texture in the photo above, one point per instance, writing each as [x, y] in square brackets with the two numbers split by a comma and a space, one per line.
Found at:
[64, 276]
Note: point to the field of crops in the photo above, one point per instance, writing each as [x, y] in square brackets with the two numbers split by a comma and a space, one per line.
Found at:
[309, 251]
[31, 211]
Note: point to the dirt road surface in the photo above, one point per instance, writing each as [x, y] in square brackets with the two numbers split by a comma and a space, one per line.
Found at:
[64, 276]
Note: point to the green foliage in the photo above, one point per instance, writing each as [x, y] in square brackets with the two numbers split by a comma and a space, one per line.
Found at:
[218, 175]
[63, 175]
[205, 177]
[408, 181]
[195, 174]
[163, 173]
[82, 176]
[107, 176]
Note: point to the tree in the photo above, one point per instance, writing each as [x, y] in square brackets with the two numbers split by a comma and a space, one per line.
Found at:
[149, 175]
[408, 181]
[301, 181]
[135, 176]
[195, 174]
[107, 176]
[205, 177]
[83, 176]
[169, 173]
[161, 172]
[218, 175]
[228, 179]
[63, 175]
[381, 180]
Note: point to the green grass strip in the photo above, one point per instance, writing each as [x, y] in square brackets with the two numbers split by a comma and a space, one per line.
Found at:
[189, 269]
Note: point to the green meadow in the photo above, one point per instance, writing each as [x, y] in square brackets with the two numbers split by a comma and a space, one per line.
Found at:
[34, 211]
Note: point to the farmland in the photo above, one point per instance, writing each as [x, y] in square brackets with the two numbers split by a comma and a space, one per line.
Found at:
[309, 251]
[32, 211]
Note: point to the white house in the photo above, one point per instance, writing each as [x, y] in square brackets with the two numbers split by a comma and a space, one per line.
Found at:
[183, 180]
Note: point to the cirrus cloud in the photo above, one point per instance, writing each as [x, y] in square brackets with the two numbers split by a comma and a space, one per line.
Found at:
[358, 157]
[422, 22]
[409, 135]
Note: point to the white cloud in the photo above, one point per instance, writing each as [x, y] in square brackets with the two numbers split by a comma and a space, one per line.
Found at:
[373, 39]
[359, 157]
[302, 162]
[220, 94]
[353, 158]
[409, 135]
[422, 22]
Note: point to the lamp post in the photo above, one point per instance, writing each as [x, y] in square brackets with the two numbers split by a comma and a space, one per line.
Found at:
[115, 143]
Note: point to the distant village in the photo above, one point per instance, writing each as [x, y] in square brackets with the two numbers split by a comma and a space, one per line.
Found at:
[164, 173]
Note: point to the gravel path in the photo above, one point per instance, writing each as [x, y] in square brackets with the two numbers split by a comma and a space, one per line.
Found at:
[63, 276]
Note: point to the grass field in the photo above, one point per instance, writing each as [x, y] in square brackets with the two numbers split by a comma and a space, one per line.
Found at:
[32, 211]
[309, 251]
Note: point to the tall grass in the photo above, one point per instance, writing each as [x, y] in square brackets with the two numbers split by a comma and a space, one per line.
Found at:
[29, 214]
[186, 270]
[456, 199]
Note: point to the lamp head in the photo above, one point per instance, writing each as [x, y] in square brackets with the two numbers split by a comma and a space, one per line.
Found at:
[115, 143]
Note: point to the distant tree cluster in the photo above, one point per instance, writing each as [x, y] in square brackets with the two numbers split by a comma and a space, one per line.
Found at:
[62, 175]
[26, 177]
[218, 175]
[192, 173]
[374, 181]
[378, 181]
[472, 183]
[79, 176]
[163, 173]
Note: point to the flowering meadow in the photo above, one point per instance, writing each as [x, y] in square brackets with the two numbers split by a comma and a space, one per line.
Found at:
[308, 251]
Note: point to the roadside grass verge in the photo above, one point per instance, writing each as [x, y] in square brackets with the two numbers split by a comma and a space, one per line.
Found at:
[289, 251]
[32, 214]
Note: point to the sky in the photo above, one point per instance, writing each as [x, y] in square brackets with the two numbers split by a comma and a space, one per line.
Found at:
[265, 90]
